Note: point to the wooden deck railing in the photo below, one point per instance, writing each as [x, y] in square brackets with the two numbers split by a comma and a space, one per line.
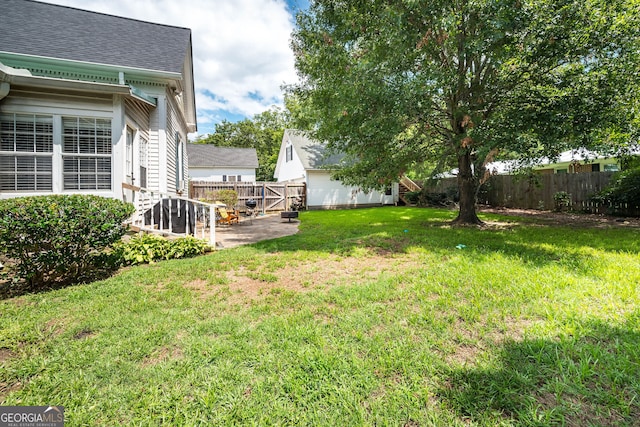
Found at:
[170, 214]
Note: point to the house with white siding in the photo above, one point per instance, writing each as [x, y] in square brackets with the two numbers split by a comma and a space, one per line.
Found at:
[304, 160]
[210, 163]
[89, 101]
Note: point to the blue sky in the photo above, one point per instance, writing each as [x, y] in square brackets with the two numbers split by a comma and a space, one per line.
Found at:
[240, 48]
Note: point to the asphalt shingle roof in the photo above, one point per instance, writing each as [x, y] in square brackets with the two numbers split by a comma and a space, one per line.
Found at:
[312, 154]
[40, 29]
[210, 156]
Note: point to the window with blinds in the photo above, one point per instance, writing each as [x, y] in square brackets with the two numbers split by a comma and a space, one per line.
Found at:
[26, 152]
[144, 162]
[86, 153]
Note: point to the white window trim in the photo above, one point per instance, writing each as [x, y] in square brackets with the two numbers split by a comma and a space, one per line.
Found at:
[95, 156]
[143, 161]
[288, 155]
[57, 162]
[129, 156]
[31, 154]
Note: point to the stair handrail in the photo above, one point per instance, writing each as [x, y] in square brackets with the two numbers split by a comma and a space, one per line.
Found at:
[407, 182]
[140, 196]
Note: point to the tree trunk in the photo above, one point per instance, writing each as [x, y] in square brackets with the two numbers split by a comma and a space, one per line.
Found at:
[467, 189]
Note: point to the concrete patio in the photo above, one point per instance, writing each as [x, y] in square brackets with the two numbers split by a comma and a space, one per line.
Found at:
[251, 230]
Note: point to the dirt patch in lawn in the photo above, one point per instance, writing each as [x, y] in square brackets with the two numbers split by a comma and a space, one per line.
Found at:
[6, 388]
[162, 355]
[204, 289]
[569, 219]
[246, 286]
[6, 354]
[84, 334]
[474, 340]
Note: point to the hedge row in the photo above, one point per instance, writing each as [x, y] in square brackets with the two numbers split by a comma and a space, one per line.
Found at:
[57, 240]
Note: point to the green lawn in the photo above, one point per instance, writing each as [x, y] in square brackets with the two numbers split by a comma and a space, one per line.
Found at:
[365, 317]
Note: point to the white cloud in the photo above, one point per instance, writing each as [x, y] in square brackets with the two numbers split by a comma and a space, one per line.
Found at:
[240, 47]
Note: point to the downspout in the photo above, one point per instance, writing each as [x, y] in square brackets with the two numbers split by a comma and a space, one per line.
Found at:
[4, 89]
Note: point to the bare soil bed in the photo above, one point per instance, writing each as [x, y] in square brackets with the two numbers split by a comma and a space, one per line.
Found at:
[571, 219]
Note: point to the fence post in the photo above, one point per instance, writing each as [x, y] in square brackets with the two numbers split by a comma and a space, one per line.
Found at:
[304, 194]
[212, 226]
[286, 196]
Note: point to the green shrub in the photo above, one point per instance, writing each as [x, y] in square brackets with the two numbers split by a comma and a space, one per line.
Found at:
[429, 198]
[59, 239]
[228, 197]
[562, 201]
[149, 248]
[412, 196]
[624, 189]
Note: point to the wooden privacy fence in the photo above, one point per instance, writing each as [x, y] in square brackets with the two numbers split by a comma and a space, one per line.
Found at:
[537, 191]
[269, 196]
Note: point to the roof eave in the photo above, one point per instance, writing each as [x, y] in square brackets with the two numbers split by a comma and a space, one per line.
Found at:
[21, 79]
[93, 66]
[327, 169]
[75, 85]
[190, 98]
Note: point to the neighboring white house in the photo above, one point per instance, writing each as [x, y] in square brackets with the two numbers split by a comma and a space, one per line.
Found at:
[222, 164]
[304, 160]
[90, 101]
[572, 161]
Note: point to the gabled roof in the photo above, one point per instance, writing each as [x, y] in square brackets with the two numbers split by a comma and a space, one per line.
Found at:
[210, 156]
[313, 154]
[45, 30]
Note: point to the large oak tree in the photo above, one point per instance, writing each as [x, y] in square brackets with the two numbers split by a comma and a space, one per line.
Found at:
[397, 83]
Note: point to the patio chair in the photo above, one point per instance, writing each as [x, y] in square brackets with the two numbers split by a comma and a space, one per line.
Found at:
[227, 217]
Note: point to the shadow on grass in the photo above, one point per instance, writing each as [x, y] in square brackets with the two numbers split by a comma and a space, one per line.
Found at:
[399, 230]
[10, 289]
[590, 378]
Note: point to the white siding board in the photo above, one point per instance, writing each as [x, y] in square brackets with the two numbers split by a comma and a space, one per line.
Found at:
[137, 117]
[153, 175]
[292, 170]
[138, 114]
[175, 123]
[48, 103]
[326, 193]
[289, 171]
[171, 149]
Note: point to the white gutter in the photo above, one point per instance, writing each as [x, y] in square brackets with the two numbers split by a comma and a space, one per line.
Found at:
[9, 75]
[75, 85]
[5, 78]
[96, 66]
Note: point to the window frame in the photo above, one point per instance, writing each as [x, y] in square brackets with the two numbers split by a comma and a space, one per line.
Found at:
[289, 153]
[88, 177]
[143, 161]
[106, 150]
[37, 163]
[179, 159]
